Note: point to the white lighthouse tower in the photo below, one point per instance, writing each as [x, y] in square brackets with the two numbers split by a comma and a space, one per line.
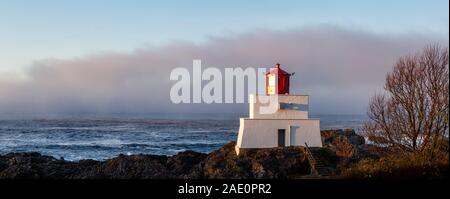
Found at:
[278, 119]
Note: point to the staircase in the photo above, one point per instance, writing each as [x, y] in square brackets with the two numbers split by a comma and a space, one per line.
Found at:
[317, 166]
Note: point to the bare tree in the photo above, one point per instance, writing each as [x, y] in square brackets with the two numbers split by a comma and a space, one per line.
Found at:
[412, 115]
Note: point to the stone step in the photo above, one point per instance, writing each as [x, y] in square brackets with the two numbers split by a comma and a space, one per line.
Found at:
[318, 165]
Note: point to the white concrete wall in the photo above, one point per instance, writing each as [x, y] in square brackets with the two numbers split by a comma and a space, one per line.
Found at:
[255, 105]
[263, 133]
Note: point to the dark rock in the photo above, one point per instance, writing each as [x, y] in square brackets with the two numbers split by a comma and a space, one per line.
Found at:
[256, 163]
[135, 166]
[329, 136]
[183, 163]
[223, 163]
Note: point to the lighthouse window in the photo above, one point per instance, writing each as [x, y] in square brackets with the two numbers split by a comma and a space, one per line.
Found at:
[272, 80]
[293, 106]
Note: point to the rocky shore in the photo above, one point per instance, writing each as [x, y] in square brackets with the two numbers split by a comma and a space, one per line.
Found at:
[287, 162]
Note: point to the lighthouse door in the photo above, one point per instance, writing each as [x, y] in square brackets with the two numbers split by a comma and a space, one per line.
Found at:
[281, 137]
[293, 135]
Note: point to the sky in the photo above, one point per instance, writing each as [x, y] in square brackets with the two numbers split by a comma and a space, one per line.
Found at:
[62, 56]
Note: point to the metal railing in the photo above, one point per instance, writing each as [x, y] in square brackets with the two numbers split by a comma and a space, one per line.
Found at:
[311, 159]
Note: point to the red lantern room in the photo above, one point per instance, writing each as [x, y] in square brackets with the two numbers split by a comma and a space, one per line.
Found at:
[277, 87]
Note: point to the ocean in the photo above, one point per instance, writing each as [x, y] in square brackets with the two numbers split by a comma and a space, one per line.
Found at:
[100, 137]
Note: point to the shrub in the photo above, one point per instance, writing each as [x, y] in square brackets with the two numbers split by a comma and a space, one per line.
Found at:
[412, 165]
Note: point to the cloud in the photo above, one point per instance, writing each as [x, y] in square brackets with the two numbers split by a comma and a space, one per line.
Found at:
[339, 68]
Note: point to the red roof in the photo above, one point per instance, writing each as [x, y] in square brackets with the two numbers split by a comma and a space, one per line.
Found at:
[278, 70]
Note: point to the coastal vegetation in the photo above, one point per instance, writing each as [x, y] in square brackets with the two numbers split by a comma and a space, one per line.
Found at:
[409, 121]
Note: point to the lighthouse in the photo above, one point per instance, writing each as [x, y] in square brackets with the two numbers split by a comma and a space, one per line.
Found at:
[278, 118]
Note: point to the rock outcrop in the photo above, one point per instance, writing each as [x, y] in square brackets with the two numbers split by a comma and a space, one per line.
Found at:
[35, 165]
[289, 162]
[223, 163]
[334, 139]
